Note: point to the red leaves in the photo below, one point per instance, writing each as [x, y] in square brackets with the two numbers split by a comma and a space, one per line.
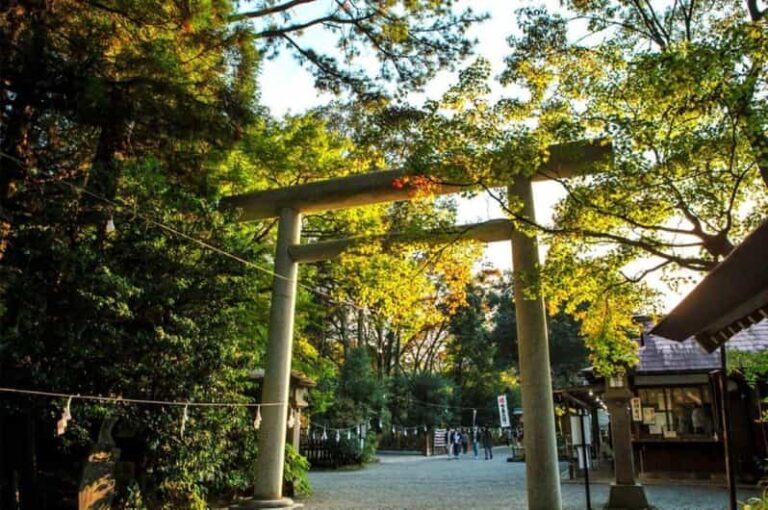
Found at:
[419, 184]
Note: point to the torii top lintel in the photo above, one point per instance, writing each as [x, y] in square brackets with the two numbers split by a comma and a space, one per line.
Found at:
[565, 160]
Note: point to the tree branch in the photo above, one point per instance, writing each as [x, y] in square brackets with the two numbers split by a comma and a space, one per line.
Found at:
[622, 217]
[260, 13]
[331, 18]
[754, 12]
[652, 247]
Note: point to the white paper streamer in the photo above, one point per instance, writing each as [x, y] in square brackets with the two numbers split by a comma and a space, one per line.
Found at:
[257, 419]
[184, 418]
[66, 415]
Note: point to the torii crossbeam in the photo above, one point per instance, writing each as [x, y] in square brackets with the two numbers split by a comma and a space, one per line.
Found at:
[288, 204]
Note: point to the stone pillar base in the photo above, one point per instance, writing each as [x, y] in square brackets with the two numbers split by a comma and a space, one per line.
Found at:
[627, 497]
[255, 504]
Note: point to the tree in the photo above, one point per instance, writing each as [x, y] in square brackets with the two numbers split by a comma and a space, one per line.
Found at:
[138, 314]
[678, 89]
[90, 88]
[431, 396]
[107, 118]
[731, 45]
[119, 129]
[358, 392]
[408, 40]
[680, 148]
[567, 350]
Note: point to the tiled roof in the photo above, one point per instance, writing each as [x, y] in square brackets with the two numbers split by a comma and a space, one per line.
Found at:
[662, 355]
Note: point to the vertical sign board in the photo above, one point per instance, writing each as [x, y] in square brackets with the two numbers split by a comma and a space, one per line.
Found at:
[576, 435]
[637, 410]
[503, 411]
[439, 440]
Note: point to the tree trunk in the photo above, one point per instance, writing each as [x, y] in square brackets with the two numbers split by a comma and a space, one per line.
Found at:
[380, 350]
[758, 141]
[360, 329]
[29, 487]
[344, 331]
[18, 113]
[389, 352]
[104, 177]
[398, 339]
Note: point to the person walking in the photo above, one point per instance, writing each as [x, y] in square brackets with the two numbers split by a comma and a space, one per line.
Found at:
[475, 442]
[487, 440]
[456, 443]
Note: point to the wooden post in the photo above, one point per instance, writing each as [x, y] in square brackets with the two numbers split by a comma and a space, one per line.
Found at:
[586, 456]
[726, 424]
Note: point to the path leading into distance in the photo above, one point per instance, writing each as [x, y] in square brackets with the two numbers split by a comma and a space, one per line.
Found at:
[415, 482]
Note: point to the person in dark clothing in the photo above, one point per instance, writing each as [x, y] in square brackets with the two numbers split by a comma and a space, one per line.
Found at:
[457, 444]
[487, 440]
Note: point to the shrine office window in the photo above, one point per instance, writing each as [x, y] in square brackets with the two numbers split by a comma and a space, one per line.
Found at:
[677, 412]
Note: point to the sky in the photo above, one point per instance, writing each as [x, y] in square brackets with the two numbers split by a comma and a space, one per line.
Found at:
[288, 88]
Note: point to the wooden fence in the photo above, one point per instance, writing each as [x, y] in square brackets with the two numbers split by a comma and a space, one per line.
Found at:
[328, 453]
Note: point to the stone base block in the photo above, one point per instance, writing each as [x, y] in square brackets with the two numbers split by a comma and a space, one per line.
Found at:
[256, 504]
[627, 497]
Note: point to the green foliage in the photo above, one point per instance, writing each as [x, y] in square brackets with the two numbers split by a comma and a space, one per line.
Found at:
[152, 108]
[357, 381]
[752, 365]
[431, 394]
[680, 92]
[356, 392]
[679, 89]
[567, 350]
[398, 398]
[295, 471]
[142, 314]
[352, 449]
[755, 503]
[402, 41]
[132, 499]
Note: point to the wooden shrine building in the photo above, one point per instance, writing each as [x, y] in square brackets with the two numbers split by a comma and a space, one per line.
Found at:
[676, 425]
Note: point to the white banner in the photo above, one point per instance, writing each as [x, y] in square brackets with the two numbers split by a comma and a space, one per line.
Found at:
[503, 411]
[576, 429]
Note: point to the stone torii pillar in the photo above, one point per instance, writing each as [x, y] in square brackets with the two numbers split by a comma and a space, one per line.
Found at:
[269, 485]
[539, 438]
[543, 481]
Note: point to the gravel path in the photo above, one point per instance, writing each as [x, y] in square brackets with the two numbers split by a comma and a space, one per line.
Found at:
[415, 482]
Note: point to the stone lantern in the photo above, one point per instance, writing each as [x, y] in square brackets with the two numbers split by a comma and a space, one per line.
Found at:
[297, 398]
[626, 493]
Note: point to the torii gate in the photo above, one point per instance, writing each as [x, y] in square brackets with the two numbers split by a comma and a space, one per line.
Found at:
[288, 204]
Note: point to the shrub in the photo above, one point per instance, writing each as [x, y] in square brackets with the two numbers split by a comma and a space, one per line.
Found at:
[295, 472]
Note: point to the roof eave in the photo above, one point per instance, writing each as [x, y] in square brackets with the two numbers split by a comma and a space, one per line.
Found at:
[732, 297]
